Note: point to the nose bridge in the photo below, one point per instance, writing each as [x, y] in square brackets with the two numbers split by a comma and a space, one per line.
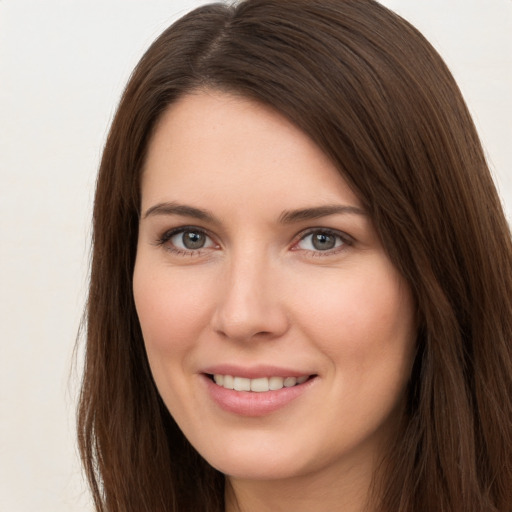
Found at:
[249, 302]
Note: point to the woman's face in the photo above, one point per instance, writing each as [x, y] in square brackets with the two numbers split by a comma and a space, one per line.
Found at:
[258, 267]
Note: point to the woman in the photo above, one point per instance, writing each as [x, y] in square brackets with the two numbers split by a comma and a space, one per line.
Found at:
[301, 281]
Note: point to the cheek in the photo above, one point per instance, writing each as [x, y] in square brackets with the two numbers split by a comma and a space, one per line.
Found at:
[363, 316]
[171, 306]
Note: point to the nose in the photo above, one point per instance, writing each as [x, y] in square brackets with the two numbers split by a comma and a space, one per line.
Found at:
[250, 302]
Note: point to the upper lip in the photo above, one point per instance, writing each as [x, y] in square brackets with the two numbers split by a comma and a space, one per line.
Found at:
[254, 372]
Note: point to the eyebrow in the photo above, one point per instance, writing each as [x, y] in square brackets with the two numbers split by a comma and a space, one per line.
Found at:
[286, 217]
[291, 216]
[179, 209]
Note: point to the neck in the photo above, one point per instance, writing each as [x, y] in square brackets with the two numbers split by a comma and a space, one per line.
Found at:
[346, 490]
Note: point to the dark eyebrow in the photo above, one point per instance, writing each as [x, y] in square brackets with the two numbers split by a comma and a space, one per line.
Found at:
[287, 217]
[291, 216]
[179, 209]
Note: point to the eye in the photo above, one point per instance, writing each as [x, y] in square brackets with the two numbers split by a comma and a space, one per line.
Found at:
[189, 240]
[322, 240]
[186, 240]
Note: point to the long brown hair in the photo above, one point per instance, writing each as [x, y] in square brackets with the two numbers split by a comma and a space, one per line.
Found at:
[380, 102]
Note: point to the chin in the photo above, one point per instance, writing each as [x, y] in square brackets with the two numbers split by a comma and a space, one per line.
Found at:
[256, 460]
[267, 469]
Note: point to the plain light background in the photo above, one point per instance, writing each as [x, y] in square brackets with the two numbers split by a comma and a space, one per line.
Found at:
[63, 65]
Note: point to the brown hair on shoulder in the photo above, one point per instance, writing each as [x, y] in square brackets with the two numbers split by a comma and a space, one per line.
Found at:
[379, 101]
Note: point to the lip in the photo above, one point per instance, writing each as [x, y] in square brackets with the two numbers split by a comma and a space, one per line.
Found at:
[255, 372]
[252, 404]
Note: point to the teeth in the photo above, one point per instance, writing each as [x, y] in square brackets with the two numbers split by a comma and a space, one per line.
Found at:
[242, 384]
[259, 385]
[290, 382]
[275, 383]
[228, 382]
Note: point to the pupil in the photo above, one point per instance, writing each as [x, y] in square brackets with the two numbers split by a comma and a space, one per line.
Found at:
[323, 241]
[192, 240]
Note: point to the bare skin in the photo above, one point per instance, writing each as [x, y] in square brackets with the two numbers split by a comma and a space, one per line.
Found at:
[256, 263]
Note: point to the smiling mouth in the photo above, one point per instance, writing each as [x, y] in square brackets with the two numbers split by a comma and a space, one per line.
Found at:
[259, 385]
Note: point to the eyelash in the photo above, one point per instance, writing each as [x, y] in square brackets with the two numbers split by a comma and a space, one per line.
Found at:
[346, 241]
[164, 239]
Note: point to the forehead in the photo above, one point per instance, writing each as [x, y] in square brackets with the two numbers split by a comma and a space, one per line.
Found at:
[216, 145]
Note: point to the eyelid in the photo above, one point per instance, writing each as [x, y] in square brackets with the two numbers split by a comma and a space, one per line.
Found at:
[166, 236]
[346, 239]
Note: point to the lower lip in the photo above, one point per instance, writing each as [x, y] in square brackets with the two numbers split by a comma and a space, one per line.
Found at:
[251, 403]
